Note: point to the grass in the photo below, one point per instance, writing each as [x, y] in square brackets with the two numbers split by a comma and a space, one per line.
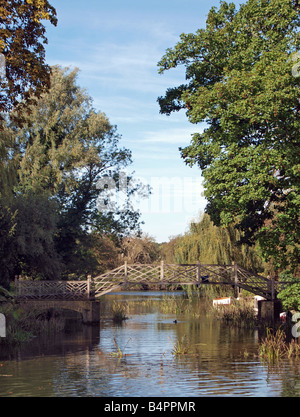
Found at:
[181, 346]
[239, 312]
[119, 311]
[275, 347]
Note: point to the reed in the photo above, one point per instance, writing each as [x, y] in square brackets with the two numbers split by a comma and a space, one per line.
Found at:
[275, 347]
[181, 346]
[119, 311]
[186, 303]
[119, 353]
[239, 313]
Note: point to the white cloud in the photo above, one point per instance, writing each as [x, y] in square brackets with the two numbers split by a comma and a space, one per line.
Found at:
[172, 135]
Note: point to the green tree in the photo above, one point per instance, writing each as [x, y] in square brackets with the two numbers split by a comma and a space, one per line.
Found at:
[167, 249]
[7, 248]
[139, 249]
[22, 39]
[241, 83]
[65, 149]
[290, 295]
[8, 165]
[210, 244]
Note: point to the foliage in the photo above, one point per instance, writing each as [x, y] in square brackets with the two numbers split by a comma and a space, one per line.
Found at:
[8, 164]
[119, 352]
[34, 236]
[61, 153]
[239, 312]
[5, 295]
[119, 311]
[142, 250]
[181, 346]
[167, 249]
[240, 82]
[22, 39]
[275, 347]
[210, 244]
[290, 295]
[7, 251]
[23, 324]
[103, 254]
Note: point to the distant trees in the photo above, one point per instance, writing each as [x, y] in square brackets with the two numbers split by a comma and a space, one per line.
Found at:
[210, 244]
[240, 82]
[142, 249]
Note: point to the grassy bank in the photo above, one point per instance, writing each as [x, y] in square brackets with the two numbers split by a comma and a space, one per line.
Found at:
[24, 324]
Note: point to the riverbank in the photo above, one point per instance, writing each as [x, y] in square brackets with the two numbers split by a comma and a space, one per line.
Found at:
[24, 324]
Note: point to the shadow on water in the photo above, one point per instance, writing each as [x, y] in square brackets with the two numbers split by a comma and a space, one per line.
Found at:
[75, 336]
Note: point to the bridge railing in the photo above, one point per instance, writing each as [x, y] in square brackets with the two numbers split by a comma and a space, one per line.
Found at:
[49, 290]
[181, 274]
[161, 274]
[168, 273]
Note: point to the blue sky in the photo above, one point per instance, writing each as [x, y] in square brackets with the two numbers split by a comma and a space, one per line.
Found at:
[116, 44]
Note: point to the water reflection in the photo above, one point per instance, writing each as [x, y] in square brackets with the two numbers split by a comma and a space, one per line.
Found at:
[223, 360]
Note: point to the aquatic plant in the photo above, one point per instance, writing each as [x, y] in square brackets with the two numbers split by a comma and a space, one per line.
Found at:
[119, 353]
[181, 346]
[239, 312]
[119, 311]
[275, 346]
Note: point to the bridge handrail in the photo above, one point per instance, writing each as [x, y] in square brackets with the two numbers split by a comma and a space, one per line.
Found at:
[158, 273]
[52, 289]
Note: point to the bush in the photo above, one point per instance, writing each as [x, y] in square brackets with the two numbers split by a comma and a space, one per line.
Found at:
[290, 295]
[239, 312]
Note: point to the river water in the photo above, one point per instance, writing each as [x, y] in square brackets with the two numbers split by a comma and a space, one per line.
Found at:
[222, 360]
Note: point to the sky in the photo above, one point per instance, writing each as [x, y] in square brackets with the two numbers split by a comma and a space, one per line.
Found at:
[116, 45]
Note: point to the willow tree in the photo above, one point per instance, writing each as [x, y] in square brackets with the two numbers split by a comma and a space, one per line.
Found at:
[64, 148]
[241, 81]
[209, 244]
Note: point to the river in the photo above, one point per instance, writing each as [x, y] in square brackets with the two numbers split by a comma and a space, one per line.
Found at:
[222, 360]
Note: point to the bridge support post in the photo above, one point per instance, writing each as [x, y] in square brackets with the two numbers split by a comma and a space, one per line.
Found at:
[89, 286]
[199, 274]
[235, 278]
[126, 272]
[271, 288]
[269, 311]
[162, 270]
[91, 312]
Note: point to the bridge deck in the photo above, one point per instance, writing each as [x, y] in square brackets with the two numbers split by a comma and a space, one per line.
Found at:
[160, 274]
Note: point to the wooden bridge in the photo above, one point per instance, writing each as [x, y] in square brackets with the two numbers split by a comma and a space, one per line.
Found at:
[154, 274]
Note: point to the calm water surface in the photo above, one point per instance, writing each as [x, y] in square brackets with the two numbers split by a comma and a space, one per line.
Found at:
[223, 361]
